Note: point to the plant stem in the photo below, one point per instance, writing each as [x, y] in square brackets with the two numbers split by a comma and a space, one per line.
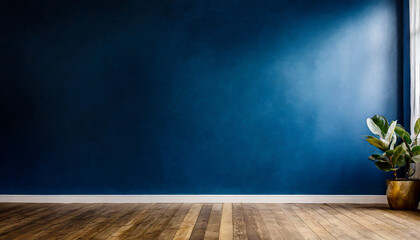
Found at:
[393, 168]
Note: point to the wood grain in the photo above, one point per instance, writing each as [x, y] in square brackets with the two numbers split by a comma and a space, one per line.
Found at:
[305, 231]
[239, 226]
[175, 222]
[372, 225]
[213, 227]
[206, 221]
[352, 223]
[255, 226]
[201, 225]
[186, 227]
[273, 227]
[314, 221]
[226, 224]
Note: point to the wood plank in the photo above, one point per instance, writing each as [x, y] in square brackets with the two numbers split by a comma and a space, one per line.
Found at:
[8, 206]
[42, 227]
[20, 209]
[226, 225]
[6, 209]
[288, 229]
[353, 224]
[323, 222]
[143, 222]
[300, 225]
[175, 222]
[273, 227]
[76, 223]
[388, 228]
[29, 222]
[255, 227]
[314, 221]
[134, 219]
[155, 229]
[51, 226]
[412, 217]
[402, 229]
[239, 226]
[23, 215]
[343, 231]
[150, 222]
[129, 222]
[368, 223]
[200, 227]
[186, 227]
[213, 227]
[402, 217]
[115, 222]
[208, 221]
[94, 223]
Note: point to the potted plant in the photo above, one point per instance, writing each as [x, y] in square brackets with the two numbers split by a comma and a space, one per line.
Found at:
[402, 193]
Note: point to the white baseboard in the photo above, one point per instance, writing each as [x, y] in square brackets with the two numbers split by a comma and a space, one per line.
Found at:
[194, 198]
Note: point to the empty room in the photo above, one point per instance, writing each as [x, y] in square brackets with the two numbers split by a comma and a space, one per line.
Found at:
[209, 119]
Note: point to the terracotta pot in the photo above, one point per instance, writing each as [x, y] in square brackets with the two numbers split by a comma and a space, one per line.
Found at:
[403, 194]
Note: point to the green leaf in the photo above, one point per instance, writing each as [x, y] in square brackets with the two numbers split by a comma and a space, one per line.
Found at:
[390, 131]
[375, 129]
[378, 157]
[417, 127]
[381, 122]
[397, 153]
[416, 159]
[400, 162]
[384, 166]
[389, 153]
[367, 136]
[415, 150]
[377, 143]
[393, 141]
[402, 133]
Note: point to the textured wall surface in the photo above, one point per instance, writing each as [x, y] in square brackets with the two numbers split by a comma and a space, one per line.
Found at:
[195, 97]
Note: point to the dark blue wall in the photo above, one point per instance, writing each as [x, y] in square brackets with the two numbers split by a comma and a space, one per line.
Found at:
[406, 61]
[195, 97]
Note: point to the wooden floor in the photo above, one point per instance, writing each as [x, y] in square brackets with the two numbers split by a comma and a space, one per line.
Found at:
[206, 221]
